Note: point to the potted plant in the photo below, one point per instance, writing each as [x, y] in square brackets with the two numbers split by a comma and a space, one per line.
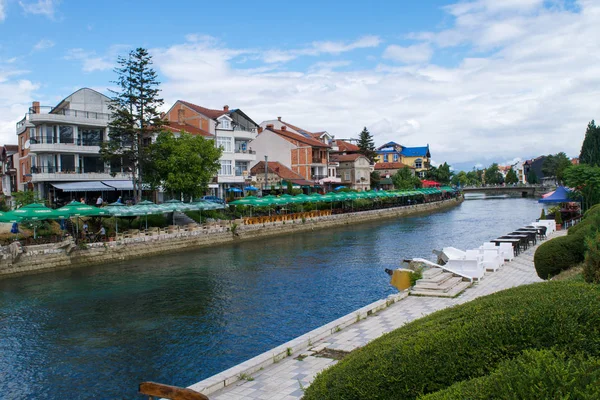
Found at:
[543, 216]
[558, 220]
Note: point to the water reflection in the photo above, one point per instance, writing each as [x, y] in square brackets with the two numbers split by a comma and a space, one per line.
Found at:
[181, 318]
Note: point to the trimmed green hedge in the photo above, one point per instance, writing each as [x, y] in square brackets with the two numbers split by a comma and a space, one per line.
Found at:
[536, 374]
[559, 254]
[466, 342]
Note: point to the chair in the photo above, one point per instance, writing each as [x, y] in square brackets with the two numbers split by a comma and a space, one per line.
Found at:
[492, 259]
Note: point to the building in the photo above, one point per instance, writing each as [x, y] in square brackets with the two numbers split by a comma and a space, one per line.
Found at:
[354, 170]
[277, 176]
[305, 153]
[417, 157]
[9, 160]
[535, 165]
[59, 146]
[231, 129]
[387, 170]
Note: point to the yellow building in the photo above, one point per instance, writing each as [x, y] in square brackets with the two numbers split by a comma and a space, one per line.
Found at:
[416, 157]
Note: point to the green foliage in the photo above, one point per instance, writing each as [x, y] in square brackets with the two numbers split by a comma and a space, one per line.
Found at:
[405, 178]
[366, 145]
[158, 220]
[492, 175]
[590, 149]
[290, 187]
[466, 342]
[555, 166]
[441, 174]
[375, 179]
[558, 218]
[543, 215]
[135, 116]
[532, 178]
[461, 179]
[585, 179]
[511, 177]
[536, 374]
[591, 266]
[559, 254]
[415, 276]
[183, 164]
[26, 197]
[3, 205]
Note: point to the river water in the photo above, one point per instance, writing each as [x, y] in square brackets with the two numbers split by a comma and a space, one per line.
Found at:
[97, 332]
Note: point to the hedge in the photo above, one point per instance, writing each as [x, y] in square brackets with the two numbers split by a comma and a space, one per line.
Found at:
[559, 254]
[536, 374]
[466, 342]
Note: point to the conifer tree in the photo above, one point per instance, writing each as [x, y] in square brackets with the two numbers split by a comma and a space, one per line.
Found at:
[367, 145]
[134, 116]
[590, 150]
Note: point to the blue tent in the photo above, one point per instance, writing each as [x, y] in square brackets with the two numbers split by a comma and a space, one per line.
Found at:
[340, 187]
[560, 195]
[234, 189]
[250, 189]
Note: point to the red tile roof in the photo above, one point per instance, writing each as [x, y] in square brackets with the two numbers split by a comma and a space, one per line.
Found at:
[276, 168]
[296, 128]
[346, 146]
[345, 157]
[391, 165]
[175, 127]
[205, 111]
[297, 137]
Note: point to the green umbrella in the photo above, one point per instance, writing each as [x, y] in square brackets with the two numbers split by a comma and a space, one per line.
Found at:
[117, 209]
[34, 212]
[77, 209]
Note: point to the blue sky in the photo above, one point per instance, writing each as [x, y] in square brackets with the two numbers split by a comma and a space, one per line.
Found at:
[480, 81]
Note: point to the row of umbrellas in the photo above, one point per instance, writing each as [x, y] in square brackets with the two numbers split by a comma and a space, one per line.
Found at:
[39, 211]
[331, 197]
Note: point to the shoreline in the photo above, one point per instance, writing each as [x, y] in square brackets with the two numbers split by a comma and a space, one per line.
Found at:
[17, 261]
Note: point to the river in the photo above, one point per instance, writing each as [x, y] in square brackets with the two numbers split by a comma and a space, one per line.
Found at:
[97, 332]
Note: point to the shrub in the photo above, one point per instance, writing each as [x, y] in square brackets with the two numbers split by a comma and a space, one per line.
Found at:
[558, 218]
[591, 265]
[536, 374]
[558, 254]
[466, 342]
[543, 215]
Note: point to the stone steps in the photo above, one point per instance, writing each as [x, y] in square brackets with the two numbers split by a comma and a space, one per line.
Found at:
[437, 283]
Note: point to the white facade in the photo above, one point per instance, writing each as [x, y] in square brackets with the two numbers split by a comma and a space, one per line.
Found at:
[274, 147]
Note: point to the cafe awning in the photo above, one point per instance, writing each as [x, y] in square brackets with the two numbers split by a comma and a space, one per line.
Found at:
[84, 186]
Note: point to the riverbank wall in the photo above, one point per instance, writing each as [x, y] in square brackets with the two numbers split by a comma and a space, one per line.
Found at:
[19, 260]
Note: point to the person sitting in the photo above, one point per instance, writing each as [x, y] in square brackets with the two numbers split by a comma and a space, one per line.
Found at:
[102, 233]
[99, 201]
[120, 200]
[85, 228]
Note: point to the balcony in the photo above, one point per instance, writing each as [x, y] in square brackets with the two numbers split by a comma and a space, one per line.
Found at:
[48, 114]
[319, 160]
[53, 173]
[318, 177]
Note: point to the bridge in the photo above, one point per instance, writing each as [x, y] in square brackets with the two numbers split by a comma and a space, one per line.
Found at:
[522, 191]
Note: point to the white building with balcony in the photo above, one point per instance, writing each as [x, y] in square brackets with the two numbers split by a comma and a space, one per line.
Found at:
[60, 145]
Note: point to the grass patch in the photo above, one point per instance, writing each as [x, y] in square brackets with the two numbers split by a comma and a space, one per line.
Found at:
[574, 274]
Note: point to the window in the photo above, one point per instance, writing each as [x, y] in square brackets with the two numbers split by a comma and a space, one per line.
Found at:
[49, 134]
[67, 162]
[91, 136]
[241, 167]
[347, 175]
[65, 133]
[226, 168]
[224, 143]
[91, 164]
[395, 157]
[418, 163]
[225, 124]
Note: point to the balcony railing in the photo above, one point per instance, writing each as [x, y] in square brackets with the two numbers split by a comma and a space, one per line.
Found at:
[51, 169]
[244, 129]
[78, 141]
[319, 177]
[69, 112]
[318, 160]
[240, 151]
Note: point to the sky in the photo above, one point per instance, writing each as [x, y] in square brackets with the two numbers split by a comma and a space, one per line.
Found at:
[479, 81]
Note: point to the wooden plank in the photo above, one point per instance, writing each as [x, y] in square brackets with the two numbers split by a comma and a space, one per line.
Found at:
[169, 392]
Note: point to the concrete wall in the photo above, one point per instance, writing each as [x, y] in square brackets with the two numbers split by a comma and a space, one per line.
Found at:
[274, 146]
[51, 257]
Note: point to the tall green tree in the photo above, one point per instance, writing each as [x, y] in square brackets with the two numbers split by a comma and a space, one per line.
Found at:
[375, 179]
[460, 179]
[405, 178]
[366, 145]
[182, 164]
[441, 174]
[585, 180]
[590, 149]
[511, 177]
[532, 178]
[492, 175]
[134, 116]
[555, 165]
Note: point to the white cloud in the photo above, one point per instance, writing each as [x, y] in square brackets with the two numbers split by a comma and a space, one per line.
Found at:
[43, 44]
[16, 95]
[533, 95]
[41, 7]
[417, 53]
[2, 12]
[91, 61]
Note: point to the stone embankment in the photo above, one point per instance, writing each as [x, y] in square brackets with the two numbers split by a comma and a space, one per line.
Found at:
[16, 260]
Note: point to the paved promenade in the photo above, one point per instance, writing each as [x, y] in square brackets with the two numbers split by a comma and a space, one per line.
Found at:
[287, 378]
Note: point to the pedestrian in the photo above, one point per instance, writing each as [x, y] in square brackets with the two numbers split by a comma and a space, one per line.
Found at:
[82, 200]
[120, 200]
[99, 201]
[85, 227]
